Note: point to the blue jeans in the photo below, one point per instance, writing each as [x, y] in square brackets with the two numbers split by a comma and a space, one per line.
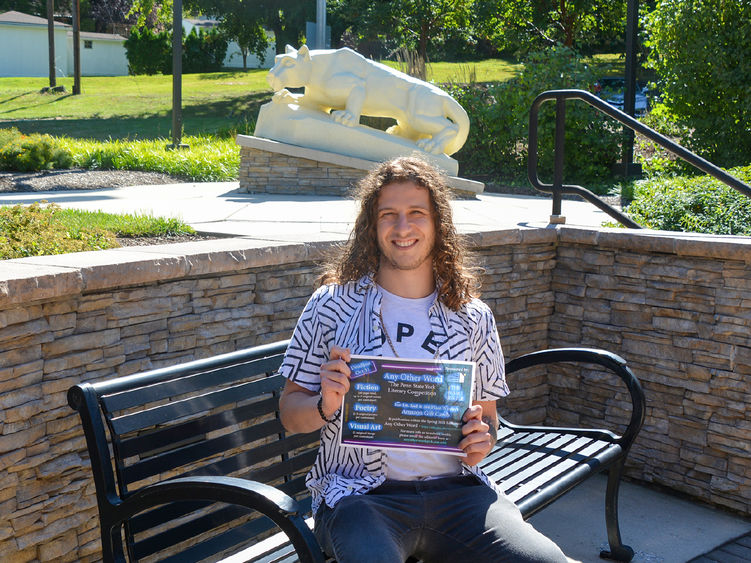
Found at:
[449, 519]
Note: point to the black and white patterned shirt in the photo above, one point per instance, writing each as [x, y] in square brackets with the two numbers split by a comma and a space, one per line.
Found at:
[347, 316]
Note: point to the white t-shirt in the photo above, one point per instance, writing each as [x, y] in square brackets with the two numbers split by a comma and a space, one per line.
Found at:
[408, 325]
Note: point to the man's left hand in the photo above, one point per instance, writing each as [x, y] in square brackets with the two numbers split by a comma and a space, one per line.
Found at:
[479, 437]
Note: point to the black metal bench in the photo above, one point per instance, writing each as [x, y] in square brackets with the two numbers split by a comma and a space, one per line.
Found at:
[191, 462]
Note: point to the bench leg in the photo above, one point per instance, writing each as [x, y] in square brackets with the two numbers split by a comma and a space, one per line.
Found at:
[618, 551]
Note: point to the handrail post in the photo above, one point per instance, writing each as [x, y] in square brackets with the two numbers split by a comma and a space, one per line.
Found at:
[560, 145]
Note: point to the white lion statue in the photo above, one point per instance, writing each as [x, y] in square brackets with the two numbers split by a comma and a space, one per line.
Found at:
[346, 85]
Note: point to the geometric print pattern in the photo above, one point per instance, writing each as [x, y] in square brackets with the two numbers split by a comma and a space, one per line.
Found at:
[347, 315]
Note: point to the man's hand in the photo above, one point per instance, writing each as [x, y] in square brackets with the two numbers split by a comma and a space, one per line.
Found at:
[335, 380]
[299, 406]
[479, 430]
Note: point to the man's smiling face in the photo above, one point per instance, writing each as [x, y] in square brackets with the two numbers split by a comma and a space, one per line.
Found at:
[405, 227]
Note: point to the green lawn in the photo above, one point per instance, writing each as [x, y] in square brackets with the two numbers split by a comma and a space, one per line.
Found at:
[132, 107]
[140, 107]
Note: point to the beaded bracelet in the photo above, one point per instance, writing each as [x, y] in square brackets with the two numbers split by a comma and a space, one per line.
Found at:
[320, 411]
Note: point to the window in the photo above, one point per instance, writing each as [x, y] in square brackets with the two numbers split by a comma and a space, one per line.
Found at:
[88, 44]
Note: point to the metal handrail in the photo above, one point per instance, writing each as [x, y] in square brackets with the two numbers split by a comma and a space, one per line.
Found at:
[557, 188]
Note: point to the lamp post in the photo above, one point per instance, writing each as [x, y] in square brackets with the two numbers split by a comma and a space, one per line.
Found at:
[76, 47]
[51, 39]
[320, 24]
[629, 94]
[177, 76]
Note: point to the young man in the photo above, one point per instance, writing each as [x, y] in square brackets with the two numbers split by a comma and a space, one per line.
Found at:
[400, 289]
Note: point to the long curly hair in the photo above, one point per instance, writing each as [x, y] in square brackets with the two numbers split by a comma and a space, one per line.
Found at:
[361, 255]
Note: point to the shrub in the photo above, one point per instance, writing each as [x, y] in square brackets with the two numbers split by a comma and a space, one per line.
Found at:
[655, 160]
[697, 204]
[35, 231]
[208, 158]
[499, 115]
[149, 52]
[30, 153]
[204, 52]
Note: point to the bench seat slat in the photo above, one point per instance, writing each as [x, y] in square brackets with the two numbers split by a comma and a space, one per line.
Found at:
[511, 457]
[268, 550]
[192, 382]
[521, 469]
[210, 518]
[177, 510]
[249, 458]
[166, 436]
[170, 460]
[513, 448]
[549, 469]
[193, 405]
[564, 447]
[231, 539]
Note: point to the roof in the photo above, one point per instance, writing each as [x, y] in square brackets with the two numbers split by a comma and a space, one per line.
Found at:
[105, 36]
[27, 19]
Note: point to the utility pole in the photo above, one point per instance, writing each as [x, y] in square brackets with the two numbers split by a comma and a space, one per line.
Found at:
[76, 47]
[177, 75]
[629, 93]
[51, 40]
[320, 24]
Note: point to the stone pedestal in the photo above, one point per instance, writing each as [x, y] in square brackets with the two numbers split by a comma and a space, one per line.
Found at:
[273, 167]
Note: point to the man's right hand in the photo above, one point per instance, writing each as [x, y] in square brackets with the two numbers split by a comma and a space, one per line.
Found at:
[335, 380]
[298, 405]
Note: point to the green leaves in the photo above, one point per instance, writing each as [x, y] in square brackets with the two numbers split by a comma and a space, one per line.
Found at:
[700, 50]
[30, 153]
[696, 204]
[499, 116]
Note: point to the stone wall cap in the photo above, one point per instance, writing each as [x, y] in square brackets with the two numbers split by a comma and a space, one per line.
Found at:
[22, 281]
[669, 242]
[44, 277]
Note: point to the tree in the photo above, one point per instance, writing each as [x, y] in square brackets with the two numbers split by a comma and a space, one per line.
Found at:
[152, 14]
[105, 13]
[408, 23]
[249, 34]
[286, 18]
[524, 25]
[700, 50]
[32, 7]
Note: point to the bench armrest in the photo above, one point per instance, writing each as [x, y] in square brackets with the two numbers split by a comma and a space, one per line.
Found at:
[606, 359]
[282, 509]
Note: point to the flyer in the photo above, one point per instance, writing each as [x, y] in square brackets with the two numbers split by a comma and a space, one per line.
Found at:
[406, 404]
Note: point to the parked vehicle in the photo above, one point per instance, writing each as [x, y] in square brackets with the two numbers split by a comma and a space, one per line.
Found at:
[612, 88]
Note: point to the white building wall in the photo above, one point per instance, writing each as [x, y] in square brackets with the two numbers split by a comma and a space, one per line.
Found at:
[24, 51]
[105, 58]
[234, 57]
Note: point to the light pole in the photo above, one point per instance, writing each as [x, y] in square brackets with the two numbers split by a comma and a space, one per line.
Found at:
[51, 39]
[76, 47]
[629, 94]
[177, 76]
[320, 24]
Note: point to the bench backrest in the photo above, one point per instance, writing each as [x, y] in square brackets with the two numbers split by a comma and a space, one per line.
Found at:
[208, 417]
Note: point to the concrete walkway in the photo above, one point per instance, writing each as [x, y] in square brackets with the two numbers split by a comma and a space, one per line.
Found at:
[661, 528]
[217, 207]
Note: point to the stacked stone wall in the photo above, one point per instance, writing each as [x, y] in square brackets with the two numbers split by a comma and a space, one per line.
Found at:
[276, 173]
[679, 310]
